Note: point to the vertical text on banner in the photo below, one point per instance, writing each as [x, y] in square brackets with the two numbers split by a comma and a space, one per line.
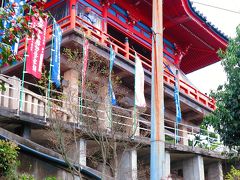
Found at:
[57, 38]
[36, 46]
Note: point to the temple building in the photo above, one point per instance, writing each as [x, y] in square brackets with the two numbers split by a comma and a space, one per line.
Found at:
[190, 43]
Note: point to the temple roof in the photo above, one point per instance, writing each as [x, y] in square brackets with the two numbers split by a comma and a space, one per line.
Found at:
[187, 28]
[184, 26]
[190, 29]
[209, 23]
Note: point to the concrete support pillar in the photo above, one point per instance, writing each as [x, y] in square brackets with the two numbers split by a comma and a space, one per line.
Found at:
[71, 93]
[167, 166]
[183, 133]
[26, 133]
[215, 171]
[77, 151]
[82, 152]
[128, 165]
[103, 111]
[193, 168]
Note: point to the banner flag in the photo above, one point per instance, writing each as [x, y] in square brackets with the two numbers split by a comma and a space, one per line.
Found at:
[177, 100]
[36, 46]
[112, 58]
[85, 64]
[139, 83]
[110, 89]
[57, 38]
[112, 95]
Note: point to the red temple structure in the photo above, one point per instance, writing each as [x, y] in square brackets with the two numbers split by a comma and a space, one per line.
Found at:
[190, 43]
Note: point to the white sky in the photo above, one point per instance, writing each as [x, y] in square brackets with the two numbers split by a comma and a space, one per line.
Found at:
[210, 77]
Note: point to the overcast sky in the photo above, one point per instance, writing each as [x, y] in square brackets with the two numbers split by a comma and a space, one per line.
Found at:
[210, 77]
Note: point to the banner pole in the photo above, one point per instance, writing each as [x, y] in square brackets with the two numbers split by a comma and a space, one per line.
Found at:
[24, 69]
[23, 75]
[50, 71]
[83, 75]
[110, 87]
[81, 92]
[134, 101]
[110, 98]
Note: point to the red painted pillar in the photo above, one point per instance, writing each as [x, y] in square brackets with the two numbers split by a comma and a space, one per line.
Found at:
[127, 48]
[104, 17]
[73, 13]
[104, 21]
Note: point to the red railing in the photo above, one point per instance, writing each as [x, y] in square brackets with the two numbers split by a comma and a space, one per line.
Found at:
[123, 49]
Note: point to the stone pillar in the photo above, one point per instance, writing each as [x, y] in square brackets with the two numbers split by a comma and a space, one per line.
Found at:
[15, 92]
[77, 151]
[215, 171]
[167, 166]
[82, 152]
[128, 165]
[26, 132]
[193, 168]
[103, 111]
[71, 93]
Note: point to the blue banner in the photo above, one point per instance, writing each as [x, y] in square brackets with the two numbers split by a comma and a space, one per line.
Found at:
[111, 94]
[177, 100]
[112, 58]
[57, 38]
[110, 89]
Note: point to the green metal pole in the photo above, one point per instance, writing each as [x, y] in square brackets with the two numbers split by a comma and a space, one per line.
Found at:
[81, 92]
[134, 105]
[50, 70]
[23, 76]
[110, 94]
[82, 78]
[110, 100]
[24, 69]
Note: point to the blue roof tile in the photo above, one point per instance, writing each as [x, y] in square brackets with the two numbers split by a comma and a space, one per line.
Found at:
[207, 22]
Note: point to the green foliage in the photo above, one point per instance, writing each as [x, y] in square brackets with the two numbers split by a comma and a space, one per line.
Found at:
[25, 176]
[8, 158]
[234, 174]
[226, 118]
[2, 86]
[18, 27]
[50, 178]
[169, 139]
[205, 139]
[72, 55]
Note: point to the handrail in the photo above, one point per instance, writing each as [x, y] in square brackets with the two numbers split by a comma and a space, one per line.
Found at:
[120, 48]
[177, 133]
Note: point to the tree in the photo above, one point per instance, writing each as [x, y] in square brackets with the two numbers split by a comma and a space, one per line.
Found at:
[226, 118]
[9, 162]
[103, 125]
[233, 174]
[8, 158]
[14, 27]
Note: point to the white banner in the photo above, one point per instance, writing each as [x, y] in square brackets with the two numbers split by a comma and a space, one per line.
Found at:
[139, 83]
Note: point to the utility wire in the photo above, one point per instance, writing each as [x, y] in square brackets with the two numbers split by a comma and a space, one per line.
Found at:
[216, 7]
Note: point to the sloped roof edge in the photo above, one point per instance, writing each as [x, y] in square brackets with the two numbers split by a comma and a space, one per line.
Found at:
[208, 23]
